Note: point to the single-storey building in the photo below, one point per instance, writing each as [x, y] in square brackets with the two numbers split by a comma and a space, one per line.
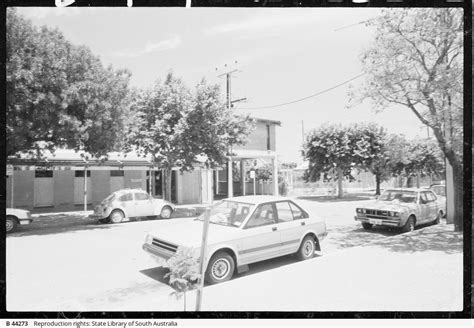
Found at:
[65, 181]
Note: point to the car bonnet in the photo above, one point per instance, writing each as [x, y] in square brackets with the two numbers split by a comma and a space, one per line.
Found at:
[188, 232]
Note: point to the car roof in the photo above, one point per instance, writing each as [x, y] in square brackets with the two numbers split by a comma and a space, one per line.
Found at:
[121, 191]
[257, 199]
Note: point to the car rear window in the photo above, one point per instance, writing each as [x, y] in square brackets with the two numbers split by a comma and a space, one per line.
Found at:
[141, 196]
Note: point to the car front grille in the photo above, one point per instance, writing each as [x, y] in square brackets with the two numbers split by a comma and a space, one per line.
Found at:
[168, 247]
[376, 212]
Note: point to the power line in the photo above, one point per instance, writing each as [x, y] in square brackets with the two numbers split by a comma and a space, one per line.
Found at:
[347, 26]
[311, 96]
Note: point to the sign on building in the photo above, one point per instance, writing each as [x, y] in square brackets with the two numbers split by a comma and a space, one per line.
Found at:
[9, 169]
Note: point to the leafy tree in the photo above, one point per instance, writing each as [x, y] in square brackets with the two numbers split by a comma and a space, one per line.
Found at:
[391, 159]
[416, 60]
[423, 158]
[59, 94]
[334, 151]
[184, 272]
[177, 127]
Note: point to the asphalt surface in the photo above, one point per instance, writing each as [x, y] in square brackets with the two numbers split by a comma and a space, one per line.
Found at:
[71, 263]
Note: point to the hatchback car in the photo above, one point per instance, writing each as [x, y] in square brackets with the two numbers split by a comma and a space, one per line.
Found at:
[402, 208]
[242, 230]
[129, 203]
[15, 217]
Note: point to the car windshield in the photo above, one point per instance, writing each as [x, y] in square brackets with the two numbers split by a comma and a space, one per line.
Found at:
[403, 196]
[228, 213]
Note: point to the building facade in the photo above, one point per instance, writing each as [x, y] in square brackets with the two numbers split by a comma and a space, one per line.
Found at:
[67, 182]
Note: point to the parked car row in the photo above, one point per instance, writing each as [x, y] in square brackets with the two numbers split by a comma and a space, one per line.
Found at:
[249, 229]
[120, 206]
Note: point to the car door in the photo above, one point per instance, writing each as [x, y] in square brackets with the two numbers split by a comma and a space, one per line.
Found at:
[292, 226]
[260, 235]
[433, 205]
[423, 203]
[143, 204]
[126, 202]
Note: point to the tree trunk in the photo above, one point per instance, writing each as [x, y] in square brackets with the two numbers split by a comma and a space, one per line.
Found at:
[167, 173]
[340, 192]
[458, 196]
[377, 184]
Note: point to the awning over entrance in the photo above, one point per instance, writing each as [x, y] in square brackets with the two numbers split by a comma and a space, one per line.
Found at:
[242, 154]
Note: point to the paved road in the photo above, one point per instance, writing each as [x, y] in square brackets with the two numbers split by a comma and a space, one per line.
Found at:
[60, 267]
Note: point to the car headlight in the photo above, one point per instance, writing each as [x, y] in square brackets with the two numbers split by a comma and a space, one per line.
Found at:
[149, 239]
[358, 210]
[363, 210]
[396, 214]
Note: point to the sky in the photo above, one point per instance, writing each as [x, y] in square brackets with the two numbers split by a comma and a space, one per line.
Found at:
[282, 54]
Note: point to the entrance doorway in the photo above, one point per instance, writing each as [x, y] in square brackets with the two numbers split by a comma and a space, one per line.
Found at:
[157, 188]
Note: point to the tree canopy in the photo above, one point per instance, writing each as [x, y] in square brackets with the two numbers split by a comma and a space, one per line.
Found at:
[416, 61]
[334, 151]
[59, 94]
[180, 128]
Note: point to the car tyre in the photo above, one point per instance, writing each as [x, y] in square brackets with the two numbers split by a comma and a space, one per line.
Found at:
[166, 212]
[409, 225]
[12, 224]
[307, 249]
[366, 226]
[220, 268]
[116, 216]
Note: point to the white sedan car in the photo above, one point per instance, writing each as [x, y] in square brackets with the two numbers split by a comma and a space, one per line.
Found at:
[15, 217]
[242, 230]
[128, 203]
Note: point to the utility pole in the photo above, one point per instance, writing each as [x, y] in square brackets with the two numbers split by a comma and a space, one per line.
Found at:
[202, 259]
[302, 130]
[228, 75]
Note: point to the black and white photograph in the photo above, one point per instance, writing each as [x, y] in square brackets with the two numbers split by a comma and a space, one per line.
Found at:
[235, 159]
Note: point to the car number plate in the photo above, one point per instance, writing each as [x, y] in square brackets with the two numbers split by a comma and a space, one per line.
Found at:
[373, 221]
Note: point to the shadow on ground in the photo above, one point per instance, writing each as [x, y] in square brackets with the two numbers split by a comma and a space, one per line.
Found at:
[449, 242]
[54, 224]
[157, 274]
[334, 199]
[64, 222]
[341, 237]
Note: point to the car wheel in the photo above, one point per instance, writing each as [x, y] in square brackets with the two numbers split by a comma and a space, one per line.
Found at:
[166, 212]
[307, 248]
[366, 226]
[12, 224]
[116, 216]
[220, 268]
[409, 225]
